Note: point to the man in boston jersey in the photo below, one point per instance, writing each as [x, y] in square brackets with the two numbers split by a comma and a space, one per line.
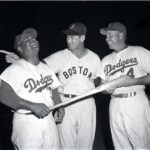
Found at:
[77, 68]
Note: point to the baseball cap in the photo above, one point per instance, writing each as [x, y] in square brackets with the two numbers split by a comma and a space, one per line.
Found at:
[114, 26]
[26, 33]
[76, 29]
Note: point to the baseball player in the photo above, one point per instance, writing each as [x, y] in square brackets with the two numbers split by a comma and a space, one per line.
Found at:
[76, 75]
[78, 68]
[33, 81]
[129, 106]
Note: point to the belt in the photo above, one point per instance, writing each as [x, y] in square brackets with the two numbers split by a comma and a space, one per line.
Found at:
[69, 95]
[124, 95]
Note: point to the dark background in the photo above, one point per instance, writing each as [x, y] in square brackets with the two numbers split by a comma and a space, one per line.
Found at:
[49, 18]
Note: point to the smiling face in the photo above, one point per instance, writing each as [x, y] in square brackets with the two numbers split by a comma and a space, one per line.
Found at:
[29, 47]
[113, 39]
[116, 40]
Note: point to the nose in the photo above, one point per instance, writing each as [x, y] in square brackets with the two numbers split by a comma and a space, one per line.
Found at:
[34, 40]
[107, 38]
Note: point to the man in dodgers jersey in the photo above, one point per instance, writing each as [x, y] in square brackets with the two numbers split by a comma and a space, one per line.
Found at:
[32, 80]
[129, 106]
[77, 67]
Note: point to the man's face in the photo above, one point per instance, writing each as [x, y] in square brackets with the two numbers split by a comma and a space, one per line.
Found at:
[113, 39]
[74, 41]
[30, 46]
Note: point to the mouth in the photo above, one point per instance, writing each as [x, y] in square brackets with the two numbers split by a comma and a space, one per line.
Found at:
[69, 45]
[35, 45]
[109, 42]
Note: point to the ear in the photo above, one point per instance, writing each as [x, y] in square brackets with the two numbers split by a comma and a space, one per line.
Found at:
[19, 49]
[121, 36]
[82, 38]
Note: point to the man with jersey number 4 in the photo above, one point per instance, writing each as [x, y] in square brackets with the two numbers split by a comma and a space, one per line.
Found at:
[129, 108]
[32, 81]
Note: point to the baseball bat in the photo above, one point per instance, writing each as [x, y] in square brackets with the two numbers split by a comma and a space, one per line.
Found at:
[101, 88]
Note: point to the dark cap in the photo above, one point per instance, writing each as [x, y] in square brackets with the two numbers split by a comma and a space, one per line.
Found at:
[114, 26]
[76, 29]
[26, 33]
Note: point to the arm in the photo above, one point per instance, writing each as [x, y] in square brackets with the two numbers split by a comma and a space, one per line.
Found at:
[55, 96]
[126, 81]
[130, 81]
[145, 80]
[12, 57]
[60, 112]
[9, 98]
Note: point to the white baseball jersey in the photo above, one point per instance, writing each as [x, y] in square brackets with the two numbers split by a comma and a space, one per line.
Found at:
[76, 76]
[129, 116]
[134, 61]
[32, 83]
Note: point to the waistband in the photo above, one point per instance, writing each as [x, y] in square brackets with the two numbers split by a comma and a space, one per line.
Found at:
[124, 95]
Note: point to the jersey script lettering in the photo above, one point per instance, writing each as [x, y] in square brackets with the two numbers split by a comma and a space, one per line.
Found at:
[120, 66]
[39, 85]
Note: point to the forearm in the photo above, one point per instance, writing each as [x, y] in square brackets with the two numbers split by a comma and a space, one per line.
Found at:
[56, 96]
[145, 80]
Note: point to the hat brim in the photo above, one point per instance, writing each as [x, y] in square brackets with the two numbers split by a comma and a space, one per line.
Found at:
[71, 32]
[103, 31]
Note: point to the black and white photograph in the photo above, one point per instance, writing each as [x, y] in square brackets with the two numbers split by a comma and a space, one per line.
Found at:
[74, 75]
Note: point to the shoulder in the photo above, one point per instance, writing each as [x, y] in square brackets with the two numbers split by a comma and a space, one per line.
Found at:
[60, 52]
[46, 68]
[57, 55]
[139, 51]
[17, 69]
[91, 53]
[107, 57]
[17, 65]
[137, 48]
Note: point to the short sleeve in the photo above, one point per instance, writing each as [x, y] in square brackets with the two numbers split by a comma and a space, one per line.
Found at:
[98, 68]
[13, 76]
[56, 82]
[144, 57]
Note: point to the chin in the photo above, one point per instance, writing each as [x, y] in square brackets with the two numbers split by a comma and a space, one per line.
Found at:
[70, 48]
[110, 47]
